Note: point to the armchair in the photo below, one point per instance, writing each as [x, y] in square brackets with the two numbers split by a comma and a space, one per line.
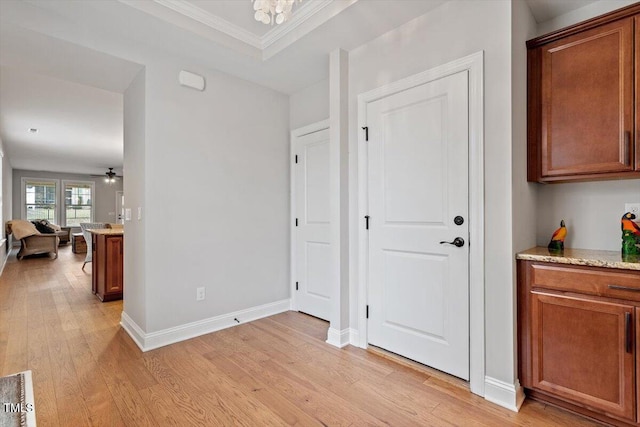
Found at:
[31, 241]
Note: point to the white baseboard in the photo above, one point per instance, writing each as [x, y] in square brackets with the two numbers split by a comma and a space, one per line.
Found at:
[152, 340]
[501, 393]
[338, 338]
[354, 337]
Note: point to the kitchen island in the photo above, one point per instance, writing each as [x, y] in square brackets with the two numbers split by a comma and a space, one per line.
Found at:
[107, 266]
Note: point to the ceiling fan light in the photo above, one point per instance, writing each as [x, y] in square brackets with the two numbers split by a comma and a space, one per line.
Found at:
[266, 19]
[279, 18]
[258, 15]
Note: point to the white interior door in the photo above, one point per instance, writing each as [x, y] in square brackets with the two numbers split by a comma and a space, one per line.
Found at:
[418, 293]
[312, 233]
[120, 207]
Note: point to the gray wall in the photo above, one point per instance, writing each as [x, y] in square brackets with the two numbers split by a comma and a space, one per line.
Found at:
[104, 198]
[309, 105]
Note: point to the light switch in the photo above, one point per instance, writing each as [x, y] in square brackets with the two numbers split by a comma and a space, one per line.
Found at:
[127, 214]
[139, 213]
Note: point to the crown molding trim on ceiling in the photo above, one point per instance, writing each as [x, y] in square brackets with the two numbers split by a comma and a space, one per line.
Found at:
[272, 42]
[303, 13]
[213, 21]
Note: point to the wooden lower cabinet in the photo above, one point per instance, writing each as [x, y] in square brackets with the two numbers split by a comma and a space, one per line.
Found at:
[107, 266]
[579, 350]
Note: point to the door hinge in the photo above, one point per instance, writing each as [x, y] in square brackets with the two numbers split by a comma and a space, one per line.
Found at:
[296, 158]
[296, 286]
[366, 221]
[366, 132]
[367, 311]
[296, 222]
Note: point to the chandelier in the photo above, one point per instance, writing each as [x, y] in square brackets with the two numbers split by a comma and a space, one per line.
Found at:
[270, 11]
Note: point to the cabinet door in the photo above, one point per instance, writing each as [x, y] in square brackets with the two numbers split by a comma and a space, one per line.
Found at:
[587, 102]
[113, 264]
[637, 117]
[582, 351]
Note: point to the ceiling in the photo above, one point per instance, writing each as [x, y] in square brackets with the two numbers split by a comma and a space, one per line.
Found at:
[52, 80]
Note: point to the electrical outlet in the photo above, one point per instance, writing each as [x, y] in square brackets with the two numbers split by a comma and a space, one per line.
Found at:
[634, 208]
[199, 294]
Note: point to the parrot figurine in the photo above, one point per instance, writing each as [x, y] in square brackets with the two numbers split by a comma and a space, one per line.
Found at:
[630, 236]
[557, 240]
[627, 224]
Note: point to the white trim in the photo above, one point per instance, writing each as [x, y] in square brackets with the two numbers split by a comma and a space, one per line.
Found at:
[300, 23]
[474, 64]
[295, 134]
[338, 338]
[303, 13]
[507, 395]
[23, 208]
[4, 242]
[213, 21]
[63, 207]
[153, 340]
[354, 337]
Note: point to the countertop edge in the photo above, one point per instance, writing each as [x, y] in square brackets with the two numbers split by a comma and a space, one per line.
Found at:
[587, 261]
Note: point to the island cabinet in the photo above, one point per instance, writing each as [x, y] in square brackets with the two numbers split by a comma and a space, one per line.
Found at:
[582, 109]
[107, 264]
[578, 337]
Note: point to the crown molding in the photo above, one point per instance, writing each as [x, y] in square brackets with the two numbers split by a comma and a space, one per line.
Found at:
[300, 23]
[301, 15]
[213, 21]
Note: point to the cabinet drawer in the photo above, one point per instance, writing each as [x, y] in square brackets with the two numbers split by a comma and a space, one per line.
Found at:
[584, 280]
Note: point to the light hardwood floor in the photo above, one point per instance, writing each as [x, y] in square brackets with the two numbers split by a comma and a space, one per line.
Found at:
[274, 371]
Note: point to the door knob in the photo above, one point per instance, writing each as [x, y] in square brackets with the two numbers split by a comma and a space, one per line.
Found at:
[458, 241]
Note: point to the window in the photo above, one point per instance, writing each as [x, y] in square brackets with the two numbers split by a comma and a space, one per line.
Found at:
[40, 199]
[78, 203]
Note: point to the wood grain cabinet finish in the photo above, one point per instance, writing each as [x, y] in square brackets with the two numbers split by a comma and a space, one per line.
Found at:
[582, 108]
[579, 349]
[107, 266]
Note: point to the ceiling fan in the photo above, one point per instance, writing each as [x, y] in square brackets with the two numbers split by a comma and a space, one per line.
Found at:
[110, 176]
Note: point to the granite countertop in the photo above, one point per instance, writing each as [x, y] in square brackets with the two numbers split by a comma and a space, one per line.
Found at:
[592, 258]
[107, 231]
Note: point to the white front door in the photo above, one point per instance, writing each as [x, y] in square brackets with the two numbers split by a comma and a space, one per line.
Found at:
[312, 231]
[418, 297]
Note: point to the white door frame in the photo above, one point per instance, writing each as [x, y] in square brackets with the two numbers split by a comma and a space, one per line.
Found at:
[294, 136]
[474, 65]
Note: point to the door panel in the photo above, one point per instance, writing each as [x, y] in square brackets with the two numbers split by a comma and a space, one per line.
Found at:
[411, 157]
[418, 183]
[312, 248]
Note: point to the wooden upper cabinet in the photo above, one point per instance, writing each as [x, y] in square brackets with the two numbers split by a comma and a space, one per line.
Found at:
[637, 111]
[582, 107]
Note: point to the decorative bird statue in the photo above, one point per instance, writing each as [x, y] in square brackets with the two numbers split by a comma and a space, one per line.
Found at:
[628, 224]
[630, 237]
[557, 240]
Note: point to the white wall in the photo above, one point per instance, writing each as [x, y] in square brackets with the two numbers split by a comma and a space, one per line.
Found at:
[104, 197]
[524, 194]
[7, 201]
[309, 105]
[451, 31]
[592, 210]
[216, 195]
[135, 259]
